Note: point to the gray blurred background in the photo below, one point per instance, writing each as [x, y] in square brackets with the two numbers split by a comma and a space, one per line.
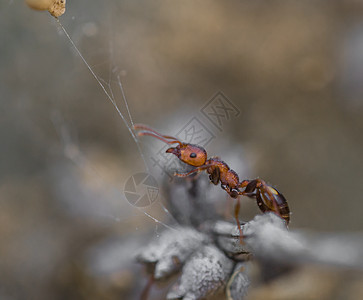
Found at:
[294, 69]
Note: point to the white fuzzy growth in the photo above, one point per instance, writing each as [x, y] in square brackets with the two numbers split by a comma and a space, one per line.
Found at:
[267, 235]
[203, 274]
[171, 250]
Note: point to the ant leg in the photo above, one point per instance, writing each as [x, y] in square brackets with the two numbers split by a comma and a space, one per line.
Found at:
[215, 176]
[229, 199]
[146, 290]
[186, 174]
[227, 189]
[232, 192]
[236, 213]
[228, 207]
[199, 169]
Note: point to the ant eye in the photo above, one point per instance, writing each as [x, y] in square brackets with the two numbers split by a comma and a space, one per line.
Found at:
[193, 155]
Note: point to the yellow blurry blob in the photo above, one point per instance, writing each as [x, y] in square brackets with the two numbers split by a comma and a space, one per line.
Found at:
[55, 7]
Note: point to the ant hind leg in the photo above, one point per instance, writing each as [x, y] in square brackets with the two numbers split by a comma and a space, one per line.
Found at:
[236, 213]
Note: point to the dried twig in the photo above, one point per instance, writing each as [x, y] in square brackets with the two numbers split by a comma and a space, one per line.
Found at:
[267, 238]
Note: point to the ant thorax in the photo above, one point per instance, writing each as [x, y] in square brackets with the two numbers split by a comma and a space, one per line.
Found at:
[221, 170]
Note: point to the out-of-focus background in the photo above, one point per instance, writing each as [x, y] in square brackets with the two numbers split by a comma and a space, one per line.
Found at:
[293, 70]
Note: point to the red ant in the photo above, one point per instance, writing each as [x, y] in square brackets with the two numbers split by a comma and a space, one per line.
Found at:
[268, 198]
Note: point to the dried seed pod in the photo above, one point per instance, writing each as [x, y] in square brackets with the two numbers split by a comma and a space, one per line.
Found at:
[227, 237]
[168, 253]
[206, 272]
[55, 7]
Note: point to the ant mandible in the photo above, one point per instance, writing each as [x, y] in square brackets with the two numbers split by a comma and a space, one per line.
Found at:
[268, 198]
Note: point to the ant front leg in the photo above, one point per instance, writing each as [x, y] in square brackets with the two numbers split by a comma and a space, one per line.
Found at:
[196, 170]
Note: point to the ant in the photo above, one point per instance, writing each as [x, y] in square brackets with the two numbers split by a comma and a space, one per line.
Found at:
[268, 198]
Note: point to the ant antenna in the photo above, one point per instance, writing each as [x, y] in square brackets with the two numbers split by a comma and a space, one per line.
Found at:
[146, 130]
[161, 138]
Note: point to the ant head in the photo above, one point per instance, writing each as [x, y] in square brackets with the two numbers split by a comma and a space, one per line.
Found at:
[192, 155]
